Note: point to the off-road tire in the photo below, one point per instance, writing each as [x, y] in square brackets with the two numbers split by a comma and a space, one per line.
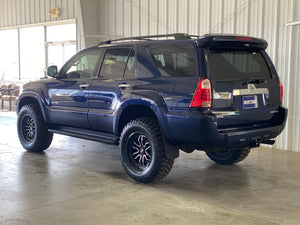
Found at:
[142, 151]
[228, 157]
[32, 129]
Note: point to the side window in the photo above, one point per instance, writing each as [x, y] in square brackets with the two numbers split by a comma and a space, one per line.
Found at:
[130, 66]
[173, 60]
[82, 66]
[116, 60]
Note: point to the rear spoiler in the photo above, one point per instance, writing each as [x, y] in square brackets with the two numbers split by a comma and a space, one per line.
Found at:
[224, 40]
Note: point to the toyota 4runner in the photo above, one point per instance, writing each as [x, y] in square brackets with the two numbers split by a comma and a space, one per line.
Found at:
[154, 95]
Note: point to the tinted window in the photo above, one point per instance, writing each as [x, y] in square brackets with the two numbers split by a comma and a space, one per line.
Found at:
[237, 65]
[115, 62]
[130, 66]
[173, 60]
[82, 66]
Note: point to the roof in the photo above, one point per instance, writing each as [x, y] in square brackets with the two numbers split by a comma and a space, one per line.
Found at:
[175, 36]
[210, 40]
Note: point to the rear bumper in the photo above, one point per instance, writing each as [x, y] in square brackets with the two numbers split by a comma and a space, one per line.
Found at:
[200, 130]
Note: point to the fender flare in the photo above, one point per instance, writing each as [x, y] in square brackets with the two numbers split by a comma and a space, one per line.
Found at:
[159, 109]
[149, 99]
[26, 95]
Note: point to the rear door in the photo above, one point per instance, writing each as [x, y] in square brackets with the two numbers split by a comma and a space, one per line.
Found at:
[245, 86]
[173, 72]
[115, 82]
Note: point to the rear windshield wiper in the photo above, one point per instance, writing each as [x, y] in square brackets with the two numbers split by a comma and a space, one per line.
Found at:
[254, 81]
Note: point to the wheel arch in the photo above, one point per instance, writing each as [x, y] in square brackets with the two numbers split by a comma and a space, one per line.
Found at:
[32, 98]
[134, 111]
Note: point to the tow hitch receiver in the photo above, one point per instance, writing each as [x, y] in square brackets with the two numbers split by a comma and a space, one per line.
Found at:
[268, 142]
[255, 143]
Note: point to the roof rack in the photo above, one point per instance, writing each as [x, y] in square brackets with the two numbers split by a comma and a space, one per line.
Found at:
[176, 36]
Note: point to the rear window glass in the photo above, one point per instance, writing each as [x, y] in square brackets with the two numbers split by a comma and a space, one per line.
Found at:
[237, 65]
[118, 61]
[173, 60]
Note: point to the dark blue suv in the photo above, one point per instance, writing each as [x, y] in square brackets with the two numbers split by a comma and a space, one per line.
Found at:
[154, 95]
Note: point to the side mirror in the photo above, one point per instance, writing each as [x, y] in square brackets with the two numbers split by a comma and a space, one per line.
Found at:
[52, 71]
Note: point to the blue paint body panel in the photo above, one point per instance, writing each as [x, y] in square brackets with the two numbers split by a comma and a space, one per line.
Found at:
[100, 104]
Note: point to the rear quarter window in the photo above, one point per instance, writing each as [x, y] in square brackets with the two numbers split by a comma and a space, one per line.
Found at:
[237, 65]
[173, 60]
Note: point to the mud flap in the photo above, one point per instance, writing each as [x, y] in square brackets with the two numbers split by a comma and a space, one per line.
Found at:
[171, 151]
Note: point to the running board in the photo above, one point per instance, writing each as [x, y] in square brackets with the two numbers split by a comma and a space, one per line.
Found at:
[85, 134]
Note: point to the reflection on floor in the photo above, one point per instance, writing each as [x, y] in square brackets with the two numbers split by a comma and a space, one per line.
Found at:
[82, 182]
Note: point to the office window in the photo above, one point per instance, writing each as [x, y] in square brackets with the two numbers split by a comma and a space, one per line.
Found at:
[32, 53]
[9, 66]
[27, 52]
[64, 32]
[61, 43]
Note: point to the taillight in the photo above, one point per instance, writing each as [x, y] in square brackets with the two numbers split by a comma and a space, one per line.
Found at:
[202, 95]
[281, 90]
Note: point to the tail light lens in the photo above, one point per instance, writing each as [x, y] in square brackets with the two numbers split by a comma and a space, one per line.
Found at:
[281, 90]
[202, 95]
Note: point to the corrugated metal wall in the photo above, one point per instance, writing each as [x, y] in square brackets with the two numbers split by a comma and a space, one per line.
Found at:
[17, 13]
[260, 18]
[24, 12]
[117, 18]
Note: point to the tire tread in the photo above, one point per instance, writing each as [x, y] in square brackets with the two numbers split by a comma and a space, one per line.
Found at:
[44, 137]
[162, 166]
[234, 157]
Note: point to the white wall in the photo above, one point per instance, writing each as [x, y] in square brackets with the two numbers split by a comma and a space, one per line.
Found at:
[18, 13]
[103, 19]
[260, 18]
[21, 12]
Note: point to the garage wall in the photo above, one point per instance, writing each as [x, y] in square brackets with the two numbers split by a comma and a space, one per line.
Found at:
[103, 19]
[21, 12]
[18, 13]
[260, 18]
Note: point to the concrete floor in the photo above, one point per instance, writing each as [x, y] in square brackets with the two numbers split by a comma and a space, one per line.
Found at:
[82, 182]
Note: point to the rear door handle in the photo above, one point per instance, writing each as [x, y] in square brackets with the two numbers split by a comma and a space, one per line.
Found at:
[124, 85]
[84, 86]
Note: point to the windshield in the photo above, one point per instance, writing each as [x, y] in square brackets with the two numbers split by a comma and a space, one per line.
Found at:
[229, 64]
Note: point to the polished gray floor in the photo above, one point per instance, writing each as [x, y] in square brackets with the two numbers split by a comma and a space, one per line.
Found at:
[82, 182]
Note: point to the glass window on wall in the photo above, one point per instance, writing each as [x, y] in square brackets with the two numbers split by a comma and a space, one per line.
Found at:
[61, 43]
[9, 67]
[32, 53]
[59, 53]
[64, 32]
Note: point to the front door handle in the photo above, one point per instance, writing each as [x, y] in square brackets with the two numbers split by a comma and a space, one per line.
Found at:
[84, 86]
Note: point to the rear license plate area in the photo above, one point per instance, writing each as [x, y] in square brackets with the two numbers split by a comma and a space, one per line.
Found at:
[250, 102]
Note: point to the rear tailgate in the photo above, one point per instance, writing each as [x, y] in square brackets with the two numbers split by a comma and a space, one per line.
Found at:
[246, 89]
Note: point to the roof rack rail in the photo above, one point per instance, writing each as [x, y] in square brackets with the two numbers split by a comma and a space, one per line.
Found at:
[176, 36]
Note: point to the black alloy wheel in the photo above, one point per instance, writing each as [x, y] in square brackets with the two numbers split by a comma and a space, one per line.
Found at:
[142, 151]
[32, 129]
[28, 128]
[139, 151]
